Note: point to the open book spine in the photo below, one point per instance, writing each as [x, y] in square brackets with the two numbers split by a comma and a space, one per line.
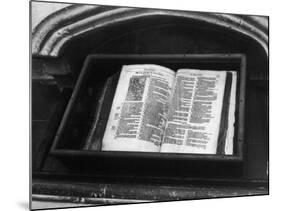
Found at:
[194, 118]
[139, 111]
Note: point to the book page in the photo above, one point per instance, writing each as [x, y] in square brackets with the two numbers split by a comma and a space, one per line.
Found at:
[139, 110]
[231, 116]
[194, 118]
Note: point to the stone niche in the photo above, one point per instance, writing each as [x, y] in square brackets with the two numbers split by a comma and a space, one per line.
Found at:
[62, 41]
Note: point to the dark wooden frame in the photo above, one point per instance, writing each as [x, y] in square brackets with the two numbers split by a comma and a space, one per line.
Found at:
[85, 155]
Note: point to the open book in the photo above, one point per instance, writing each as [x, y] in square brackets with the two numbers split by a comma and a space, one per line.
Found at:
[156, 109]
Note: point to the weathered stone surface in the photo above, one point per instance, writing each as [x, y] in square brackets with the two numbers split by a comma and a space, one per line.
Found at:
[59, 28]
[105, 192]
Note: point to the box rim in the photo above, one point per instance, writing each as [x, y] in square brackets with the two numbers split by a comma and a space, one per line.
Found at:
[207, 157]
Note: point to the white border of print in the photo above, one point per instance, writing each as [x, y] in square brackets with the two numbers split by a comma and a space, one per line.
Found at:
[14, 111]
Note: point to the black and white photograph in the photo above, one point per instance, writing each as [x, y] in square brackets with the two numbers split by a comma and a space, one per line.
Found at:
[141, 105]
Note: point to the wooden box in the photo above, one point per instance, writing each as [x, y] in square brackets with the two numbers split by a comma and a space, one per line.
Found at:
[91, 103]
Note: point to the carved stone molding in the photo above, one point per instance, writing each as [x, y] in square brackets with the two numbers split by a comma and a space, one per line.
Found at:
[55, 31]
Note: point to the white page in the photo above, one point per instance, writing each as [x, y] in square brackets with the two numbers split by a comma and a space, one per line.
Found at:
[138, 114]
[194, 120]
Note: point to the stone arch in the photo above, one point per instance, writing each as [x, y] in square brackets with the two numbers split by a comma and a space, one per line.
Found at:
[49, 37]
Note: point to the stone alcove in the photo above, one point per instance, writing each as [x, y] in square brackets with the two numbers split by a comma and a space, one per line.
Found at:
[61, 42]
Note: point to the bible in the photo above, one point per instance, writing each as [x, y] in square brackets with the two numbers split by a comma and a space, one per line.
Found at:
[156, 109]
